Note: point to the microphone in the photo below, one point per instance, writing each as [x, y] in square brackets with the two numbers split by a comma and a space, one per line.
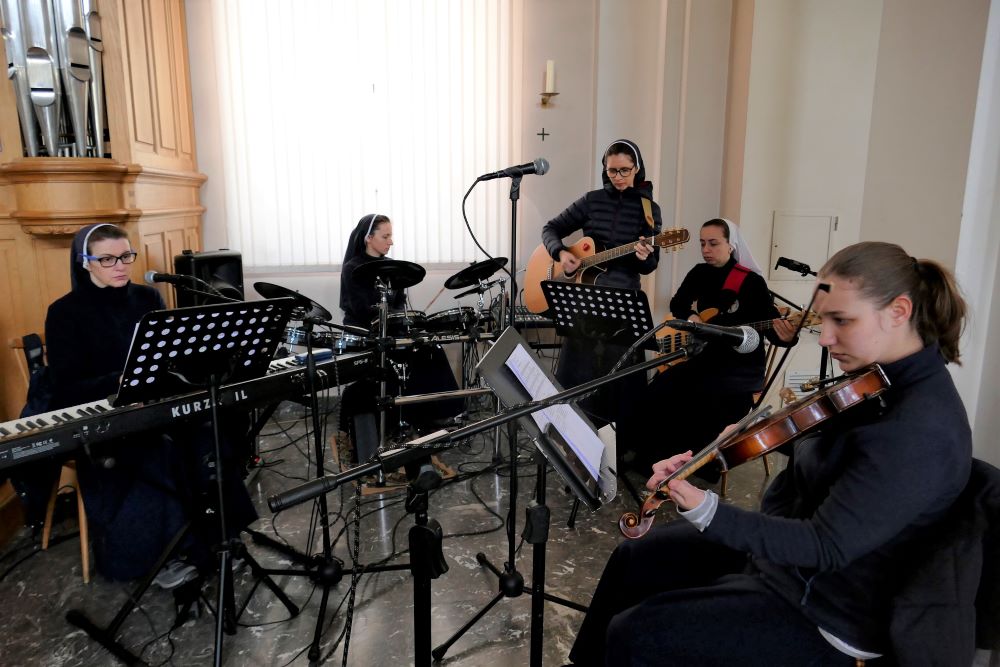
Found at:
[151, 277]
[743, 339]
[189, 283]
[540, 166]
[792, 265]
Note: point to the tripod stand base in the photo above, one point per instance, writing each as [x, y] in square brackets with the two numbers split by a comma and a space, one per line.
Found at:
[103, 637]
[511, 586]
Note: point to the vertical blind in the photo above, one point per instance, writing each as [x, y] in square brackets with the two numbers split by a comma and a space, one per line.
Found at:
[332, 109]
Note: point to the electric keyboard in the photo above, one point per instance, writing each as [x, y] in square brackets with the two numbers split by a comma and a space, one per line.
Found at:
[525, 319]
[62, 431]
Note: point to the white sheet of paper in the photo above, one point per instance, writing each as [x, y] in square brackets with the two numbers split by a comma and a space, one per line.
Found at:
[574, 430]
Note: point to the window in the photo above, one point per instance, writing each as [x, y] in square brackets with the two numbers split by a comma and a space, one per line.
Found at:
[334, 109]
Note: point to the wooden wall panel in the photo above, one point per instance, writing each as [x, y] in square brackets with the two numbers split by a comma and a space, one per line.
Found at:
[182, 77]
[163, 75]
[155, 111]
[150, 186]
[10, 301]
[138, 90]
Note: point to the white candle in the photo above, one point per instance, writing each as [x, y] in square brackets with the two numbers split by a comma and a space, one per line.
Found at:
[550, 76]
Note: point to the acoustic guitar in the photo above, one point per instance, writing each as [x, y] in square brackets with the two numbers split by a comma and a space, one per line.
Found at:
[542, 267]
[669, 339]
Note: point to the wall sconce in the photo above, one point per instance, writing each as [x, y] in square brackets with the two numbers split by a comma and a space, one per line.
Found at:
[549, 90]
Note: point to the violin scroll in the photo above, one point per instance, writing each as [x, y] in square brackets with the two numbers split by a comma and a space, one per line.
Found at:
[634, 526]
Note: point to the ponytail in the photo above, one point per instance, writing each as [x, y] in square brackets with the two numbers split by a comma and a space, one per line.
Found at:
[939, 309]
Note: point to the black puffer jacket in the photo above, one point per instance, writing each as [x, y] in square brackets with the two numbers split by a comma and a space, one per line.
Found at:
[612, 219]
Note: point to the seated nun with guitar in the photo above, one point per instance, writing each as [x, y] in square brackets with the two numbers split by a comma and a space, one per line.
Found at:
[619, 216]
[811, 577]
[717, 386]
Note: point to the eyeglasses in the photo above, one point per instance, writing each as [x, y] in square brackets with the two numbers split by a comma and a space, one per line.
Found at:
[623, 172]
[107, 261]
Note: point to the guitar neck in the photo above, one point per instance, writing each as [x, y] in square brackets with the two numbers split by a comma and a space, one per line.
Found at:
[607, 255]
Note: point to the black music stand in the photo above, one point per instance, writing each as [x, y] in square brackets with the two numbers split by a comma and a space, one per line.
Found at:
[612, 314]
[615, 315]
[173, 352]
[514, 373]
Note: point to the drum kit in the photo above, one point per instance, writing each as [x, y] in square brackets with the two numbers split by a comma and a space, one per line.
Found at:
[405, 327]
[404, 341]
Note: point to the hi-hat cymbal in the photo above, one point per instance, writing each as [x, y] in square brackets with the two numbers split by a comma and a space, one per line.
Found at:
[305, 307]
[397, 273]
[478, 289]
[473, 273]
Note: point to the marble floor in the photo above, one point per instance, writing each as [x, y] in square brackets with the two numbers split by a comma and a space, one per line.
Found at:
[38, 587]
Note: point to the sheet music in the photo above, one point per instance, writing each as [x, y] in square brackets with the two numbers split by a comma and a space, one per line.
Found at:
[574, 430]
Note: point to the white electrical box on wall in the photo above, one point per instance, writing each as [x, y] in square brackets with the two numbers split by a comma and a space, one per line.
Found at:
[800, 236]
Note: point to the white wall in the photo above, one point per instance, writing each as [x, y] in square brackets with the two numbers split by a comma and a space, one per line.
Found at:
[564, 31]
[691, 130]
[864, 110]
[925, 99]
[978, 258]
[811, 85]
[812, 77]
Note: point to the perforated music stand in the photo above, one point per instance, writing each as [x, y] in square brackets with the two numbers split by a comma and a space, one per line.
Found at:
[172, 353]
[173, 350]
[612, 314]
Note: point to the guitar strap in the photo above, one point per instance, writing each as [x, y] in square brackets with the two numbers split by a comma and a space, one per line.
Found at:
[735, 278]
[647, 209]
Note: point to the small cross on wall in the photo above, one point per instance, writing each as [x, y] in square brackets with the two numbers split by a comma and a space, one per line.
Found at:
[543, 134]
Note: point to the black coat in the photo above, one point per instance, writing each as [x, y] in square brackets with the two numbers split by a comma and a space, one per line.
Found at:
[87, 335]
[719, 368]
[611, 218]
[948, 603]
[856, 499]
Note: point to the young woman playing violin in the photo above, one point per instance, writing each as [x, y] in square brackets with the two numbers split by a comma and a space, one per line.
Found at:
[810, 577]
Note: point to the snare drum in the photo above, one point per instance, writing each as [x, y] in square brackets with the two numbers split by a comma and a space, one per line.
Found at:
[453, 319]
[401, 324]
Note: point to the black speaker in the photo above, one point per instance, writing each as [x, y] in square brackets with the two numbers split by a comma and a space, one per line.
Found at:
[222, 269]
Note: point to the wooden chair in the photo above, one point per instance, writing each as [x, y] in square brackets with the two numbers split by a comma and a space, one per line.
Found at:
[69, 483]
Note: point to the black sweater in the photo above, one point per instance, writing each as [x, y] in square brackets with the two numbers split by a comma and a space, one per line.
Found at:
[87, 337]
[612, 219]
[361, 297]
[855, 499]
[720, 366]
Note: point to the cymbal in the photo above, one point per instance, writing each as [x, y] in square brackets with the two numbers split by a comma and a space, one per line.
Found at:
[473, 273]
[304, 306]
[397, 273]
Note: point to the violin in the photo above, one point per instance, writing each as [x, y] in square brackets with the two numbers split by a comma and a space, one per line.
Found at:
[760, 432]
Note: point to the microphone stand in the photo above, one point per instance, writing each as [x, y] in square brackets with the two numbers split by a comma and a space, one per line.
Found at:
[824, 354]
[325, 569]
[511, 580]
[515, 195]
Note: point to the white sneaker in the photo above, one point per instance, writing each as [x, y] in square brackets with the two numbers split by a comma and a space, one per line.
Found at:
[175, 573]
